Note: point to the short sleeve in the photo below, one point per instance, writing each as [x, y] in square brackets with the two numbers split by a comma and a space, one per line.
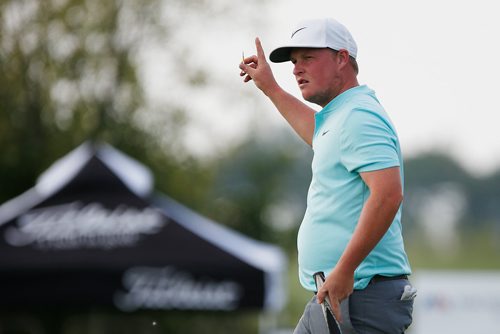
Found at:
[368, 142]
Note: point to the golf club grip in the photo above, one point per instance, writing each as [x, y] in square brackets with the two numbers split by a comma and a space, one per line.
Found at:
[331, 322]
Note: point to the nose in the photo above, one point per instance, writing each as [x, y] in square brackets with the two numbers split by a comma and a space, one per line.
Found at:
[297, 69]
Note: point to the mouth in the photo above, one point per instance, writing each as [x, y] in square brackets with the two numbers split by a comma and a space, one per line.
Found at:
[302, 82]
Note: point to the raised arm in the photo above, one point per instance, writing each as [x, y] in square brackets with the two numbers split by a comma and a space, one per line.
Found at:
[297, 114]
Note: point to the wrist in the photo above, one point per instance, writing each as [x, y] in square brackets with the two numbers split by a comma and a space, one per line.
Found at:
[344, 268]
[273, 90]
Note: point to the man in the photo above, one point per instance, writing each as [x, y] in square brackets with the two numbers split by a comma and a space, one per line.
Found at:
[351, 230]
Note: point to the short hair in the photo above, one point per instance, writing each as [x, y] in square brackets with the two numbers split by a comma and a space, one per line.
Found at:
[352, 60]
[354, 64]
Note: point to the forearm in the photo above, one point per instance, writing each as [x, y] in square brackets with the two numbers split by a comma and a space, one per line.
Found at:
[296, 113]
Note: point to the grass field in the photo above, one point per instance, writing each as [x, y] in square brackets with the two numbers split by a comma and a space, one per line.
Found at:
[474, 250]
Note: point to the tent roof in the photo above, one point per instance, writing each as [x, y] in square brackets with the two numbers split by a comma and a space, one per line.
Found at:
[133, 174]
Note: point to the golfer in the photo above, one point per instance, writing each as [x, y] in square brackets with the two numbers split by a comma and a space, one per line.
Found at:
[351, 229]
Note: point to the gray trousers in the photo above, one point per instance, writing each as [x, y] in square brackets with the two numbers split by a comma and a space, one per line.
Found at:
[376, 309]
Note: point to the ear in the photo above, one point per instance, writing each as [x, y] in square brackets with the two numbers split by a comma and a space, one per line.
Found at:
[343, 58]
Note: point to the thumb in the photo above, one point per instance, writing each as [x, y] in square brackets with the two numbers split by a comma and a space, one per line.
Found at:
[320, 296]
[247, 68]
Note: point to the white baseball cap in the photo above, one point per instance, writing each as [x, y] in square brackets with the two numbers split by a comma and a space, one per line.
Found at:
[316, 33]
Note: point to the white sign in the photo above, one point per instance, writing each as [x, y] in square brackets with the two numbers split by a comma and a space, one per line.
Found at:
[76, 225]
[456, 302]
[168, 288]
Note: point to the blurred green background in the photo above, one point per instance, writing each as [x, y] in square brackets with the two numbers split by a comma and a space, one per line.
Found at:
[73, 70]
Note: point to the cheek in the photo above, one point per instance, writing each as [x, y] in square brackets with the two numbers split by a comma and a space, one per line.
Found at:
[323, 78]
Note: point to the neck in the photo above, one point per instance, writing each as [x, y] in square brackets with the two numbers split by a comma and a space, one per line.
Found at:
[346, 85]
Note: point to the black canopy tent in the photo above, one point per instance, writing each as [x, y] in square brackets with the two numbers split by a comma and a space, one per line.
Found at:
[92, 232]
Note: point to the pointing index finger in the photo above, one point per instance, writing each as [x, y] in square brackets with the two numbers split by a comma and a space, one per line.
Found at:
[260, 51]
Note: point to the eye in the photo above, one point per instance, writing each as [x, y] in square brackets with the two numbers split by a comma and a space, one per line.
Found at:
[307, 58]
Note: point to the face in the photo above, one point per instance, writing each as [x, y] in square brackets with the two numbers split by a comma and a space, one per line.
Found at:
[317, 74]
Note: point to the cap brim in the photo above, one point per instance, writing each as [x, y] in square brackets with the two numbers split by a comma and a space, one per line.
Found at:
[281, 54]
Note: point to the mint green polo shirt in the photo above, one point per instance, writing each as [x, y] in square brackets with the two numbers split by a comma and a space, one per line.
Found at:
[353, 134]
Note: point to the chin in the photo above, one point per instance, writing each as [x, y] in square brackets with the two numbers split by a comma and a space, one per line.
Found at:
[308, 97]
[312, 99]
[319, 99]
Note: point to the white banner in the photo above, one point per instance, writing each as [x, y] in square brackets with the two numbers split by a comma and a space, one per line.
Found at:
[456, 302]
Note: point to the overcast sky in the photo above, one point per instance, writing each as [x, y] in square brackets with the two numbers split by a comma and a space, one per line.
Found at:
[433, 64]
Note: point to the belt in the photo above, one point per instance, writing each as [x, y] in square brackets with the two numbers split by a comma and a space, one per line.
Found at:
[380, 278]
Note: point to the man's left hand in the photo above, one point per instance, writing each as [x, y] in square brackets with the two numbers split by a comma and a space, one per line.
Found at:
[338, 286]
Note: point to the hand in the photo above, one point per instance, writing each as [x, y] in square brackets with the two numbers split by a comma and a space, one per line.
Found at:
[257, 68]
[338, 286]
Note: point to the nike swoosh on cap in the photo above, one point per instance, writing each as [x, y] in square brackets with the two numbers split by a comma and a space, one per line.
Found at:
[296, 31]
